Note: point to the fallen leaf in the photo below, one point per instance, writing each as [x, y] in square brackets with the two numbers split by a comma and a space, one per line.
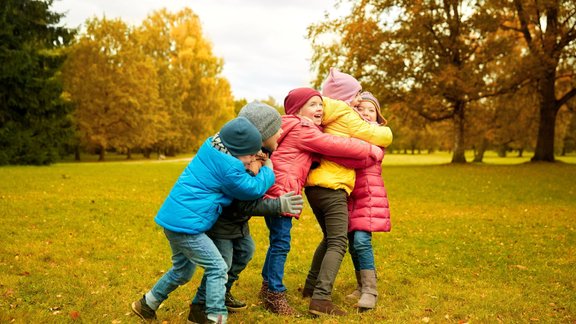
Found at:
[75, 315]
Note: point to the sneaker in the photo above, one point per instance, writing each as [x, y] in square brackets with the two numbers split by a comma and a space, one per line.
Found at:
[142, 309]
[197, 314]
[217, 319]
[233, 304]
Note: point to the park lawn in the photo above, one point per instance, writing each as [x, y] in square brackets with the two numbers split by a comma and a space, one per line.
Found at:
[478, 243]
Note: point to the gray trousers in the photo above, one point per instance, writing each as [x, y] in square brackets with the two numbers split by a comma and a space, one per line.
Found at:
[331, 211]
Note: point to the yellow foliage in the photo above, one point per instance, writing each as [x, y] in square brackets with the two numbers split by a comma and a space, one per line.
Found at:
[151, 86]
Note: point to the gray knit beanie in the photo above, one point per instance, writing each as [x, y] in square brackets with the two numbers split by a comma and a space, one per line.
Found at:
[265, 118]
[240, 137]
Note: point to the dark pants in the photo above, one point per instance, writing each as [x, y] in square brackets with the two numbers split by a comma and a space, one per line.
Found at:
[331, 211]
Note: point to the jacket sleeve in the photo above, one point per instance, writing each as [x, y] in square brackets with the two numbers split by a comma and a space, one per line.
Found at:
[258, 207]
[358, 128]
[336, 111]
[243, 186]
[376, 156]
[314, 140]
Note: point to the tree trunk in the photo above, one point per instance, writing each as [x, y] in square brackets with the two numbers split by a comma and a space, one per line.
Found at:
[101, 154]
[479, 154]
[459, 150]
[128, 154]
[147, 153]
[502, 150]
[77, 153]
[547, 126]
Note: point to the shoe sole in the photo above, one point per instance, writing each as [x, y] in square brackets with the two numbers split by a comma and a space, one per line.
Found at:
[236, 309]
[319, 313]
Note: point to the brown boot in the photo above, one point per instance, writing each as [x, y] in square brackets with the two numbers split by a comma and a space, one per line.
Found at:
[276, 302]
[355, 295]
[263, 293]
[324, 307]
[369, 290]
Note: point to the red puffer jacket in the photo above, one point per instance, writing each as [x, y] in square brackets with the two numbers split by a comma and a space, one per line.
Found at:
[299, 145]
[368, 208]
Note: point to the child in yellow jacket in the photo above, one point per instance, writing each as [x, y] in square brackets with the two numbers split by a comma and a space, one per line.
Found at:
[328, 187]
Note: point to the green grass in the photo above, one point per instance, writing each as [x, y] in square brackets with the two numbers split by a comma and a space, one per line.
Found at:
[470, 243]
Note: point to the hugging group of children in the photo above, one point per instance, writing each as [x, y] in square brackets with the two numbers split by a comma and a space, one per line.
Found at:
[331, 146]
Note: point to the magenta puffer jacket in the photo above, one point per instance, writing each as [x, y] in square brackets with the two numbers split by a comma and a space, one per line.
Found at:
[368, 208]
[300, 143]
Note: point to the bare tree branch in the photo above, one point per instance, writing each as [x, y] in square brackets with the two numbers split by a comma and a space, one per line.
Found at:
[566, 97]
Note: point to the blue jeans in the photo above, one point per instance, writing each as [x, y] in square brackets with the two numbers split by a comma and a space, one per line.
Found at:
[237, 253]
[273, 269]
[187, 252]
[360, 247]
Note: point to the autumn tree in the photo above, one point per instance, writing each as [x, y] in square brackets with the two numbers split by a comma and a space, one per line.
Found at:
[432, 56]
[113, 86]
[34, 123]
[548, 29]
[154, 87]
[196, 99]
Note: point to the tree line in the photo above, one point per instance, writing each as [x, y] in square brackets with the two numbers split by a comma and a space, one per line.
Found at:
[462, 74]
[451, 75]
[155, 87]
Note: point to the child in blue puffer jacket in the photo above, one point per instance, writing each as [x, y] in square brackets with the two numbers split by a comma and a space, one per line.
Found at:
[215, 177]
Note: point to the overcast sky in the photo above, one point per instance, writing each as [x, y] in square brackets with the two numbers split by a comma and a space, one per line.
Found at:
[262, 42]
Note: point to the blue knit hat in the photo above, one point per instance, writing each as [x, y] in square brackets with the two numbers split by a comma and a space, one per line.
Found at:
[241, 137]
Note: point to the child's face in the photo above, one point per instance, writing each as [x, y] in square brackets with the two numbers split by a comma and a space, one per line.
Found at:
[271, 143]
[356, 101]
[247, 159]
[313, 109]
[367, 110]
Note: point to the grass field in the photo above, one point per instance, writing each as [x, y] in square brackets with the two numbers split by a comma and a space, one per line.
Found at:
[477, 243]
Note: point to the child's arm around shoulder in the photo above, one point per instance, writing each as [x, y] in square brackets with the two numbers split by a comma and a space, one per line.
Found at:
[337, 111]
[376, 156]
[239, 184]
[359, 128]
[313, 140]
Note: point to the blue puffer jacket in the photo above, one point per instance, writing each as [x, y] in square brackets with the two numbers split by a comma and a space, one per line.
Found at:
[210, 182]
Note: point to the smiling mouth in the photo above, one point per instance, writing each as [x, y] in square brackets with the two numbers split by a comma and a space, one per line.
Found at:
[318, 116]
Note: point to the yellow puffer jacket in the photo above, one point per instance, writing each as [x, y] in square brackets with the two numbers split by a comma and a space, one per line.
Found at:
[340, 119]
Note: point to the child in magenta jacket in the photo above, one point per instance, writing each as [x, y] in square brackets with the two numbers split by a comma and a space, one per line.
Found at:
[301, 140]
[368, 212]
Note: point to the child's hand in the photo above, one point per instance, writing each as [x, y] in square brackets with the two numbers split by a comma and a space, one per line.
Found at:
[264, 159]
[255, 166]
[291, 203]
[261, 156]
